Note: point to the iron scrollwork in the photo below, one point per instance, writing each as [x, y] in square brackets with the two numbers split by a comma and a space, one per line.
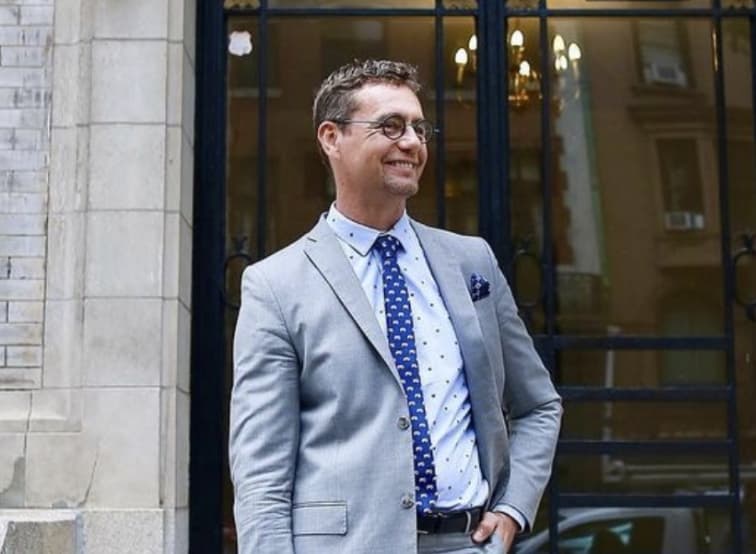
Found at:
[239, 253]
[748, 248]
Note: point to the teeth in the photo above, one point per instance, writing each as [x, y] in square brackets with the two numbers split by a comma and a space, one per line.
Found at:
[408, 165]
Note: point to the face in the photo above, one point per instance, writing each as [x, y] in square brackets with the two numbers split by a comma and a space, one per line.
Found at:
[370, 165]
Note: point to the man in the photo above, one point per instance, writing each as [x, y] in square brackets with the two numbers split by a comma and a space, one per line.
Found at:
[387, 398]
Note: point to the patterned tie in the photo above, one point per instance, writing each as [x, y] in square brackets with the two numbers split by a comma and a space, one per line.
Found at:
[401, 338]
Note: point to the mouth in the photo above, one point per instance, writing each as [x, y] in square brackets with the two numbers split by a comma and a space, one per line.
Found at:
[402, 164]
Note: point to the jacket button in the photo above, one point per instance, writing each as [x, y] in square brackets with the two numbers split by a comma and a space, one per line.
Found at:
[403, 423]
[408, 501]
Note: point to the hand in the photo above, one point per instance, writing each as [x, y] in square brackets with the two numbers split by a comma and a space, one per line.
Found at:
[499, 523]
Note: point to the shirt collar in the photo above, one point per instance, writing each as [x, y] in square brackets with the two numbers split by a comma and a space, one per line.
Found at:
[361, 238]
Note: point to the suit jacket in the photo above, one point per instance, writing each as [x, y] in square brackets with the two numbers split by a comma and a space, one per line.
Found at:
[318, 460]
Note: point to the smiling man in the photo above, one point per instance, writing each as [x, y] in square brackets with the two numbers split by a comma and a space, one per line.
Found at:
[387, 398]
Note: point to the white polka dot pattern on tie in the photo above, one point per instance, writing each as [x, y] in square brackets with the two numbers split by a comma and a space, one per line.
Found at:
[401, 338]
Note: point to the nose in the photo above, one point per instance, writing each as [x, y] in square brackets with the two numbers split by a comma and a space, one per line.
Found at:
[410, 139]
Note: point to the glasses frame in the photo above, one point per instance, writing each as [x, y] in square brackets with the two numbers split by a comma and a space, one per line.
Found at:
[381, 124]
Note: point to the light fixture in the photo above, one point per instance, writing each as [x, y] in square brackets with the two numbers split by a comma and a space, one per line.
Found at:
[573, 52]
[460, 58]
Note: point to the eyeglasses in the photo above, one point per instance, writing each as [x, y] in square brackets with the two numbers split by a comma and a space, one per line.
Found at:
[394, 126]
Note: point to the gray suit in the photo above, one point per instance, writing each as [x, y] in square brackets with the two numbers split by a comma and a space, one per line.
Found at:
[318, 460]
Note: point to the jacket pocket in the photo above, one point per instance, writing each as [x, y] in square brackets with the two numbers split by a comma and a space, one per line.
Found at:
[319, 518]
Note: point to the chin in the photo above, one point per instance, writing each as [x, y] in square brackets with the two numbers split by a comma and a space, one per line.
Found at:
[405, 189]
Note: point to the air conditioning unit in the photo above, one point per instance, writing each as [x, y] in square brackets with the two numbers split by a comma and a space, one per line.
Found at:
[683, 221]
[665, 74]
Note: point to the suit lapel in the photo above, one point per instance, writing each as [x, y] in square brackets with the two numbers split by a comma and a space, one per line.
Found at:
[453, 285]
[325, 252]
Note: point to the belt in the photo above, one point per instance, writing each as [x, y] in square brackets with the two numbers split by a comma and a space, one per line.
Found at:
[463, 521]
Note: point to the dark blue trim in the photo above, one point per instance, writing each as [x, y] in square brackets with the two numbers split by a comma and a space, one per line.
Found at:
[729, 277]
[262, 130]
[352, 12]
[207, 442]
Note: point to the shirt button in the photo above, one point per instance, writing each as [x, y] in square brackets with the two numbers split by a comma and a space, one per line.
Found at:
[403, 423]
[408, 501]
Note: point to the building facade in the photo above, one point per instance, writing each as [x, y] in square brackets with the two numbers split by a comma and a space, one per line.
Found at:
[150, 150]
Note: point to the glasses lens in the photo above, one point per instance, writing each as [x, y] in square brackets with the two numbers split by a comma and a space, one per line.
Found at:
[424, 130]
[393, 127]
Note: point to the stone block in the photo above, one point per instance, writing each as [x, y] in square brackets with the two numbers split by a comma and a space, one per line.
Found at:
[187, 180]
[31, 181]
[24, 160]
[23, 203]
[22, 246]
[176, 20]
[69, 156]
[9, 15]
[37, 15]
[124, 254]
[23, 56]
[26, 312]
[55, 410]
[12, 469]
[73, 21]
[116, 182]
[30, 36]
[35, 532]
[20, 333]
[14, 414]
[187, 102]
[176, 531]
[185, 263]
[172, 254]
[123, 531]
[175, 83]
[27, 268]
[64, 337]
[22, 289]
[24, 356]
[122, 342]
[127, 473]
[3, 311]
[190, 29]
[177, 339]
[173, 140]
[23, 77]
[66, 256]
[116, 66]
[136, 19]
[46, 453]
[66, 84]
[175, 441]
[15, 378]
[19, 224]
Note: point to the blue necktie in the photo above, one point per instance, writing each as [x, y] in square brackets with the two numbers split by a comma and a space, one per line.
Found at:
[401, 338]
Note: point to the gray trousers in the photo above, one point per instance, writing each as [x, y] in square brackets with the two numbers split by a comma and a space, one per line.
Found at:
[457, 543]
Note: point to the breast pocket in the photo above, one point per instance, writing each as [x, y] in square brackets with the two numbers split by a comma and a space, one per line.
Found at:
[319, 518]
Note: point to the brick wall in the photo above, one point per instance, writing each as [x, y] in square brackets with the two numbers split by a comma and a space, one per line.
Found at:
[26, 30]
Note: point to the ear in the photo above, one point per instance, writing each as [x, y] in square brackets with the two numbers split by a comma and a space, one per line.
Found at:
[329, 135]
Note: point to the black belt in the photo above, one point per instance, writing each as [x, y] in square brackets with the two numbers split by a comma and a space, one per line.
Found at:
[463, 521]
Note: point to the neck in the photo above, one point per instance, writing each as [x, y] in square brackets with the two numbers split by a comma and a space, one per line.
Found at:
[378, 216]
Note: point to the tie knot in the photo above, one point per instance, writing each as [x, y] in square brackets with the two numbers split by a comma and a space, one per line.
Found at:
[387, 246]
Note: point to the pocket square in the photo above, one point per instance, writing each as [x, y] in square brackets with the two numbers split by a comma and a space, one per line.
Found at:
[479, 287]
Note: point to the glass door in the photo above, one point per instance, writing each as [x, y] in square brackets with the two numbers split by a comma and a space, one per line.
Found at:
[606, 151]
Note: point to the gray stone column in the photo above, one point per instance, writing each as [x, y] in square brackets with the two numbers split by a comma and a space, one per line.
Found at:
[104, 430]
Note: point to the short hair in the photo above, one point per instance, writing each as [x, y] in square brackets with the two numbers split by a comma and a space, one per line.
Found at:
[335, 97]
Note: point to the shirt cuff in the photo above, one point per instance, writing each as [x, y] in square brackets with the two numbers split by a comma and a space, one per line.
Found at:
[514, 513]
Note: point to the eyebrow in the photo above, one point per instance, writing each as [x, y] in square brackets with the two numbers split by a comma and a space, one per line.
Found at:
[397, 114]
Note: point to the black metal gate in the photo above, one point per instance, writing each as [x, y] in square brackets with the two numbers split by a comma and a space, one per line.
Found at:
[534, 261]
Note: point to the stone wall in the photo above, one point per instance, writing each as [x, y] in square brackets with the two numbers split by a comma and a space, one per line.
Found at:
[97, 206]
[26, 30]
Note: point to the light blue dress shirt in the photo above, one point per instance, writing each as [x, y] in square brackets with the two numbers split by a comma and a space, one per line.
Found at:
[460, 482]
